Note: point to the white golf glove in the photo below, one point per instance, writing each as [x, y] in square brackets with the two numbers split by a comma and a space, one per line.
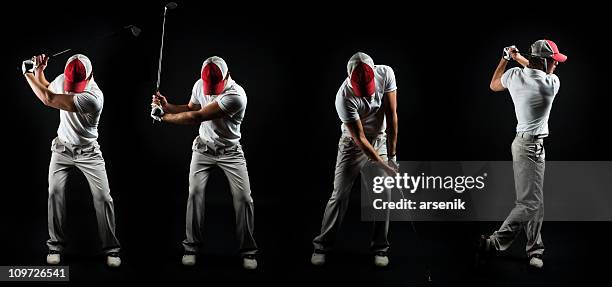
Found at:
[157, 112]
[27, 66]
[508, 52]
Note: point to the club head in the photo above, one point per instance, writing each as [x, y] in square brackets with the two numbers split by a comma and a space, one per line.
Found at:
[171, 5]
[135, 30]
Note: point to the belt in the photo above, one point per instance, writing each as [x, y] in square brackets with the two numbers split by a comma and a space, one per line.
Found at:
[529, 136]
[203, 147]
[370, 139]
[221, 150]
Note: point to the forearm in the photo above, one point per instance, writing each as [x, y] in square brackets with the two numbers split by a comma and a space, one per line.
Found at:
[40, 76]
[176, 109]
[41, 91]
[368, 149]
[521, 60]
[499, 71]
[392, 136]
[495, 84]
[183, 118]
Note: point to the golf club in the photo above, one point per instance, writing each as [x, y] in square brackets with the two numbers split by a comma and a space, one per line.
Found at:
[420, 242]
[134, 31]
[171, 5]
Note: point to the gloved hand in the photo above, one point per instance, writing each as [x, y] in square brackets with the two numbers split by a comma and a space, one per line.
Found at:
[157, 112]
[508, 51]
[393, 163]
[27, 66]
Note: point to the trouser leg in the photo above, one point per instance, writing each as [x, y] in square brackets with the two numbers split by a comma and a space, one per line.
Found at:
[380, 231]
[59, 168]
[234, 166]
[528, 164]
[349, 161]
[92, 164]
[194, 220]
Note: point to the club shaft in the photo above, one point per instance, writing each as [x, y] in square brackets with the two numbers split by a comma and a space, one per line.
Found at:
[161, 50]
[61, 53]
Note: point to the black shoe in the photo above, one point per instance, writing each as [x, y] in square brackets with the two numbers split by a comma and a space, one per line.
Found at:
[485, 250]
[485, 246]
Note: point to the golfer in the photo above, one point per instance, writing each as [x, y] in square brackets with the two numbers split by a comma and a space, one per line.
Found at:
[533, 89]
[79, 99]
[366, 105]
[218, 105]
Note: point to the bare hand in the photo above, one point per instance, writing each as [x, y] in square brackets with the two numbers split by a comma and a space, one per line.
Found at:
[388, 169]
[40, 62]
[159, 100]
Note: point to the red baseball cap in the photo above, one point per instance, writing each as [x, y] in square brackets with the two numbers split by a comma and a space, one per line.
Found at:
[76, 73]
[361, 75]
[547, 49]
[214, 73]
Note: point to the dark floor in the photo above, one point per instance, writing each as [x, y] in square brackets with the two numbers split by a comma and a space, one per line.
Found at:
[572, 257]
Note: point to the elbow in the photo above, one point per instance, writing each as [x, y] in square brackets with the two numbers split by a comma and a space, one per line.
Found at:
[47, 98]
[496, 85]
[492, 87]
[495, 88]
[196, 118]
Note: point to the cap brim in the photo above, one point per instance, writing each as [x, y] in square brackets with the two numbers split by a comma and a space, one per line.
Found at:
[364, 90]
[75, 87]
[559, 57]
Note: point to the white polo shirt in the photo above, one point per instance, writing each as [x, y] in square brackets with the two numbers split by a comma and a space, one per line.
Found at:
[81, 127]
[533, 92]
[225, 131]
[351, 108]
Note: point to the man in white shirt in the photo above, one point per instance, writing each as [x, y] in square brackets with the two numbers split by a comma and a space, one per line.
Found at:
[366, 104]
[533, 89]
[80, 101]
[218, 105]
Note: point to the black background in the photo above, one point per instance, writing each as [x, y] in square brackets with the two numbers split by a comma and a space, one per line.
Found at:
[291, 59]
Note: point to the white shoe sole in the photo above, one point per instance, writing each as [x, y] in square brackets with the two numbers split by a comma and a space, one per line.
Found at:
[381, 261]
[188, 260]
[536, 263]
[249, 264]
[113, 262]
[53, 259]
[317, 259]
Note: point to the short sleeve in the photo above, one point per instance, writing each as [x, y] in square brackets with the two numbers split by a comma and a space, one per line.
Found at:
[509, 76]
[556, 83]
[194, 92]
[57, 85]
[87, 102]
[232, 103]
[390, 84]
[346, 108]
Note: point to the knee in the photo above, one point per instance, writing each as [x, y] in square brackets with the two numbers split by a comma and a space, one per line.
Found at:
[243, 197]
[102, 196]
[530, 207]
[55, 189]
[195, 188]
